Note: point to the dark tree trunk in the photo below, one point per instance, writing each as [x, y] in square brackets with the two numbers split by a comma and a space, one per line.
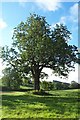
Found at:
[36, 82]
[36, 75]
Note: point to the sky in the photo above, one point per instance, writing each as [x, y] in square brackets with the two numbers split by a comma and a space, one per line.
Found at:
[15, 11]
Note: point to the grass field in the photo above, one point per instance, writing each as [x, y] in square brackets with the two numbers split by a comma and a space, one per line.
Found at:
[59, 104]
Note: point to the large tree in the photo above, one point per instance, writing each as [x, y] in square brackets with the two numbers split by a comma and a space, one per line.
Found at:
[36, 45]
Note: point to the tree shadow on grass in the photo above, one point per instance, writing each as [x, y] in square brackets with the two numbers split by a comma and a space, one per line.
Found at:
[42, 93]
[52, 103]
[6, 89]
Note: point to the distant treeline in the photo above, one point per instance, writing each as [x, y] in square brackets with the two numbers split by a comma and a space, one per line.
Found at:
[57, 85]
[9, 84]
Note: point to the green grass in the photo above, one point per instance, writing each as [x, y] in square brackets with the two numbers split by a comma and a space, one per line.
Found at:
[61, 104]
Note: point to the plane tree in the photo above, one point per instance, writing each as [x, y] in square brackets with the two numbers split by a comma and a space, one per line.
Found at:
[36, 46]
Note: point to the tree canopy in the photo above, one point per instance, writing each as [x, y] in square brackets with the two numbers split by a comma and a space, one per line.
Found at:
[36, 45]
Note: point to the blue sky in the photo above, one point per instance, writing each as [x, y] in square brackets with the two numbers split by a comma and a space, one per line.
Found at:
[15, 12]
[55, 12]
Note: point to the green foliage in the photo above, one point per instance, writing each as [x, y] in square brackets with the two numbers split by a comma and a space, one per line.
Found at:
[47, 85]
[36, 45]
[57, 85]
[44, 85]
[66, 86]
[11, 78]
[74, 85]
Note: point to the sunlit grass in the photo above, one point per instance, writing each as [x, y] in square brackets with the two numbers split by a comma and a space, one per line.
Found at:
[61, 104]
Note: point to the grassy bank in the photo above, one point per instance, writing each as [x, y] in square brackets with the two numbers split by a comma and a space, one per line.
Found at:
[59, 104]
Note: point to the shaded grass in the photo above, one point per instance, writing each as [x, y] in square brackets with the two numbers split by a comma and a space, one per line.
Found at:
[21, 89]
[58, 104]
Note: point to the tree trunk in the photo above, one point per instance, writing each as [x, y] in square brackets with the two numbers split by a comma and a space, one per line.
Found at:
[36, 75]
[36, 82]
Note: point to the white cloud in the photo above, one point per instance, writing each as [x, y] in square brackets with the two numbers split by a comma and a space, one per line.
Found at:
[73, 75]
[63, 20]
[50, 5]
[78, 49]
[0, 39]
[22, 2]
[72, 17]
[12, 31]
[3, 24]
[1, 67]
[74, 13]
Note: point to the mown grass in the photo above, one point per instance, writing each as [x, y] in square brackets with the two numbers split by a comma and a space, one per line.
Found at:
[59, 104]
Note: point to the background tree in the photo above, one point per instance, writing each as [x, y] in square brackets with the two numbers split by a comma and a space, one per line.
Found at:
[11, 78]
[36, 45]
[74, 85]
[45, 85]
[65, 86]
